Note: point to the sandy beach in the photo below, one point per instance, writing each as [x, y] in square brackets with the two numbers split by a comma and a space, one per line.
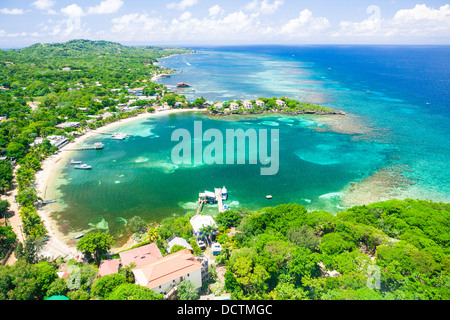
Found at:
[57, 244]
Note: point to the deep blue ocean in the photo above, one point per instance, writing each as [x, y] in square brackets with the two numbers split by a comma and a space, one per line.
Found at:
[393, 141]
[401, 92]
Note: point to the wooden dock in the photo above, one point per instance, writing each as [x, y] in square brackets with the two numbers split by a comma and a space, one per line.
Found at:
[97, 146]
[213, 197]
[200, 206]
[218, 192]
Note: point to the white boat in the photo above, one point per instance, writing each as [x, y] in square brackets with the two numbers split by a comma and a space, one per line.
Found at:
[119, 136]
[224, 193]
[83, 167]
[79, 236]
[75, 162]
[269, 197]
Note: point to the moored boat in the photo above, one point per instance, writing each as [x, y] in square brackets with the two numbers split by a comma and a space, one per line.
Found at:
[75, 162]
[183, 85]
[83, 167]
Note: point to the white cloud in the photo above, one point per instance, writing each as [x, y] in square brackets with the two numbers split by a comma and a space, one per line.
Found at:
[134, 25]
[185, 16]
[11, 11]
[264, 6]
[304, 25]
[106, 7]
[183, 4]
[422, 13]
[43, 4]
[215, 10]
[421, 21]
[235, 26]
[73, 10]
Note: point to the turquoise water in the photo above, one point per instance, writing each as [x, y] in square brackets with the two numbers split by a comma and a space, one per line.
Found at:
[317, 161]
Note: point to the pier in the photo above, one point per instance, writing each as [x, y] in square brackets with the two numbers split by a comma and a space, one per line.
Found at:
[218, 196]
[218, 192]
[96, 146]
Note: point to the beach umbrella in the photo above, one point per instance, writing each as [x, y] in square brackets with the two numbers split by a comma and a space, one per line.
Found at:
[56, 297]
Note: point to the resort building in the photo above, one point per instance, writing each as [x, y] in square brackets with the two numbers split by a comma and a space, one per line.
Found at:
[247, 104]
[58, 141]
[165, 274]
[66, 69]
[218, 105]
[234, 106]
[178, 104]
[140, 256]
[260, 103]
[280, 103]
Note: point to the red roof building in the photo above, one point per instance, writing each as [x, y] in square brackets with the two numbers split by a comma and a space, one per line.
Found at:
[108, 267]
[163, 274]
[140, 256]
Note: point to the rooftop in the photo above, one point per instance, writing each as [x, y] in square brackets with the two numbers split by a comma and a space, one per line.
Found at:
[140, 256]
[108, 267]
[166, 269]
[200, 221]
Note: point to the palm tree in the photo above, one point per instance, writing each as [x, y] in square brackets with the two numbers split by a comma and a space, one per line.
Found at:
[207, 232]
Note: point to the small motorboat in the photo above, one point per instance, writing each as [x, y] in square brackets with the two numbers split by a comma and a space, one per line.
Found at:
[83, 167]
[269, 197]
[75, 162]
[79, 236]
[49, 201]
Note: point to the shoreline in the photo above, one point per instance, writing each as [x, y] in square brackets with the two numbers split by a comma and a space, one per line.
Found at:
[58, 243]
[51, 168]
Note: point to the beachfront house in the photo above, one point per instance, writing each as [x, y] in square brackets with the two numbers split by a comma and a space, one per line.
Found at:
[199, 222]
[165, 274]
[247, 104]
[280, 103]
[178, 104]
[58, 141]
[260, 103]
[218, 105]
[234, 106]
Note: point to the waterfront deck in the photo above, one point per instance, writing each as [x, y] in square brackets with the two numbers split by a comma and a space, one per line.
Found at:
[96, 146]
[218, 192]
[218, 196]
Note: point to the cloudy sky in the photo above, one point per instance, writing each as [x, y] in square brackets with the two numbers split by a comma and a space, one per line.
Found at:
[225, 22]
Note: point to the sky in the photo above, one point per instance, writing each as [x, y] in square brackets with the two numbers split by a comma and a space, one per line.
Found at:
[225, 22]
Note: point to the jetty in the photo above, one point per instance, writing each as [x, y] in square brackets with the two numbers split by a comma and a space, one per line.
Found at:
[218, 196]
[96, 146]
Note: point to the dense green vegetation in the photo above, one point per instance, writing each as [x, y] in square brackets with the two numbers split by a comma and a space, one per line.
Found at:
[286, 252]
[286, 105]
[283, 252]
[385, 251]
[36, 95]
